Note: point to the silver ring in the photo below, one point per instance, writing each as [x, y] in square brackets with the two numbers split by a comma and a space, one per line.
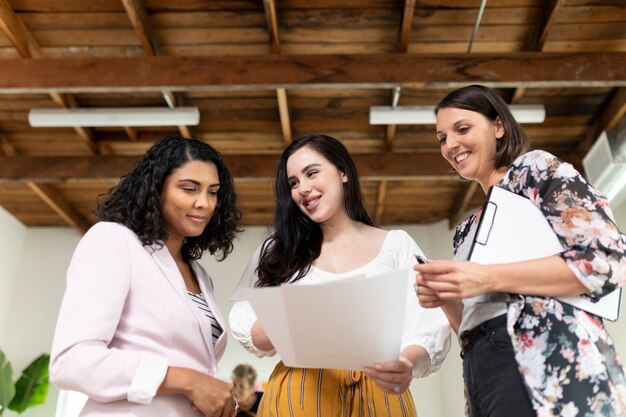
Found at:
[416, 288]
[396, 388]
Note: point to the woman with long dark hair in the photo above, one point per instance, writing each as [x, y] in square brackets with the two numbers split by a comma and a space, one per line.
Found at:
[139, 331]
[323, 233]
[525, 352]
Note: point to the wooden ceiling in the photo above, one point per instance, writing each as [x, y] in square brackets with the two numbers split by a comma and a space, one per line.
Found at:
[265, 71]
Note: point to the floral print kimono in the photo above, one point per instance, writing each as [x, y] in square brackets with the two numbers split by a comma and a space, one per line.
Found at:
[565, 356]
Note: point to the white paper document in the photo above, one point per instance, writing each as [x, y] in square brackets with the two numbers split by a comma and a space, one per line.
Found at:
[513, 229]
[344, 324]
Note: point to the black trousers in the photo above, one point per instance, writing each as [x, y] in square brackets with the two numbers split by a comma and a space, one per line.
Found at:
[492, 380]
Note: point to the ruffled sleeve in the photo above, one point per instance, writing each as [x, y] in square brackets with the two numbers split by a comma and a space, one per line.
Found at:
[428, 328]
[579, 215]
[242, 317]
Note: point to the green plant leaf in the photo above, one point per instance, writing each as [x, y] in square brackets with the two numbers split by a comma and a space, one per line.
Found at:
[7, 389]
[32, 387]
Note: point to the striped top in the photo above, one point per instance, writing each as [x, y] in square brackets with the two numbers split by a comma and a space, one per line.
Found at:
[216, 329]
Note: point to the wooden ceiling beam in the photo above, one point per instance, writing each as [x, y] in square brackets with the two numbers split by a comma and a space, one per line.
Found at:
[26, 45]
[517, 95]
[611, 114]
[461, 203]
[375, 166]
[52, 198]
[131, 132]
[283, 111]
[380, 203]
[390, 135]
[262, 72]
[272, 25]
[6, 147]
[390, 130]
[403, 46]
[136, 11]
[87, 134]
[616, 111]
[17, 33]
[60, 206]
[271, 19]
[537, 39]
[539, 35]
[407, 23]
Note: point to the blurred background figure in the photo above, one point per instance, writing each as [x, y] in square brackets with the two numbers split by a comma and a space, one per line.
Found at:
[244, 380]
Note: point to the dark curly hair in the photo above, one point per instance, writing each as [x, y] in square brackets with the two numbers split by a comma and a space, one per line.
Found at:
[287, 255]
[135, 201]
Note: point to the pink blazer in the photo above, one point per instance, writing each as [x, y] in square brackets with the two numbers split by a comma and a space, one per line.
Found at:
[125, 317]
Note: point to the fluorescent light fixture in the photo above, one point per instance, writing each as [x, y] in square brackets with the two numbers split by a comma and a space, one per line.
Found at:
[114, 116]
[618, 185]
[605, 168]
[425, 115]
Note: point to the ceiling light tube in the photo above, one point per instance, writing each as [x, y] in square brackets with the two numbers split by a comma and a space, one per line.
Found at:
[115, 116]
[425, 115]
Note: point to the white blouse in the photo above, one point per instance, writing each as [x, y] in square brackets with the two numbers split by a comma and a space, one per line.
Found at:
[424, 327]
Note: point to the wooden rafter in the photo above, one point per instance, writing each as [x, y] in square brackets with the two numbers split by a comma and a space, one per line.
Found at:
[538, 36]
[283, 110]
[518, 93]
[23, 41]
[374, 166]
[403, 46]
[407, 23]
[17, 33]
[68, 101]
[52, 198]
[611, 114]
[272, 25]
[461, 203]
[6, 147]
[380, 202]
[271, 20]
[263, 72]
[60, 206]
[131, 132]
[136, 12]
[390, 130]
[390, 134]
[26, 45]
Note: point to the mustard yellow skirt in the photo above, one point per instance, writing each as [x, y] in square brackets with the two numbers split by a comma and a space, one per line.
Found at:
[306, 392]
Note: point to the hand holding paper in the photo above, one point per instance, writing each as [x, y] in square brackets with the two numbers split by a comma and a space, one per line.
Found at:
[345, 324]
[513, 229]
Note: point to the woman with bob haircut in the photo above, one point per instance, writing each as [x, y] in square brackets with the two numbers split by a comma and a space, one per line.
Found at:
[525, 353]
[139, 331]
[323, 233]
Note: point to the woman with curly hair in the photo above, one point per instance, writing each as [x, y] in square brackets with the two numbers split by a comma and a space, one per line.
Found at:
[139, 331]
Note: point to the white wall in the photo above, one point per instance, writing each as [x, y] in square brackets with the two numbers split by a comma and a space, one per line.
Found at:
[35, 300]
[619, 211]
[12, 234]
[618, 328]
[33, 262]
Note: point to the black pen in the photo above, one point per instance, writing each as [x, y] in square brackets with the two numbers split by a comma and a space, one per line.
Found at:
[420, 259]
